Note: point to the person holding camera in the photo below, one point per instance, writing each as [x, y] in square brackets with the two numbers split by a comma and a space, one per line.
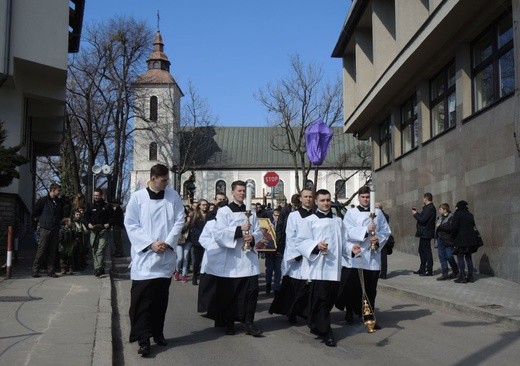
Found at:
[425, 232]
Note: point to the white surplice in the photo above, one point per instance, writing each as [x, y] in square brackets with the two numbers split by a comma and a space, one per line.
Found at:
[148, 220]
[356, 223]
[330, 230]
[229, 260]
[297, 269]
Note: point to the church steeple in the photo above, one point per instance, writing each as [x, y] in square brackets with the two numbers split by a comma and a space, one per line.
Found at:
[158, 59]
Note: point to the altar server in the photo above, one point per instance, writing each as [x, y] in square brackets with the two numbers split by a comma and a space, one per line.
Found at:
[321, 240]
[293, 296]
[366, 238]
[154, 220]
[237, 269]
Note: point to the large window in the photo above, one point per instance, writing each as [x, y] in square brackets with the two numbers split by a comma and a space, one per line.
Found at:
[220, 187]
[442, 100]
[340, 189]
[254, 186]
[153, 108]
[409, 125]
[493, 70]
[152, 151]
[384, 142]
[278, 190]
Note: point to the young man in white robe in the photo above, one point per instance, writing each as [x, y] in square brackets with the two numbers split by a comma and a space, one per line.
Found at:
[366, 238]
[293, 296]
[236, 269]
[321, 241]
[154, 219]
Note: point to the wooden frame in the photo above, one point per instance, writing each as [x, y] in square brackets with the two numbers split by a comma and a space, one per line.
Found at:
[268, 242]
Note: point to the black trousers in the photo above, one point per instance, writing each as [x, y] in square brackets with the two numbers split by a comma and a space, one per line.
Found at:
[236, 300]
[198, 254]
[350, 293]
[322, 295]
[426, 256]
[47, 250]
[292, 299]
[148, 304]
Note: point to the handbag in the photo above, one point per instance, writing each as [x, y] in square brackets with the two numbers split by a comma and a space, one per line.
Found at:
[480, 242]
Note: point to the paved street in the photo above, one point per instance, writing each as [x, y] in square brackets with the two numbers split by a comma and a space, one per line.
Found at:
[68, 321]
[414, 333]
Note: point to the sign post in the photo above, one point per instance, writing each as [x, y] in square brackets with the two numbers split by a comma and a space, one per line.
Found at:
[271, 179]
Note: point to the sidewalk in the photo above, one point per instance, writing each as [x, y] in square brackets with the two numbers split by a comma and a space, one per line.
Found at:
[54, 321]
[490, 298]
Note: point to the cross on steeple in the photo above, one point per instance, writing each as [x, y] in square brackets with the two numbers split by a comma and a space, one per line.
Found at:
[158, 20]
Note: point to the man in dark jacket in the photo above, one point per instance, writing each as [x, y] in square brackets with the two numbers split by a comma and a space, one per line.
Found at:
[425, 232]
[117, 224]
[97, 218]
[48, 211]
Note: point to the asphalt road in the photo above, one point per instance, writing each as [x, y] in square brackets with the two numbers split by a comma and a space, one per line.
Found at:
[413, 334]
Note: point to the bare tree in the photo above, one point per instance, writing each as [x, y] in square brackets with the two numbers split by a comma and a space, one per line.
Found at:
[100, 100]
[350, 163]
[293, 104]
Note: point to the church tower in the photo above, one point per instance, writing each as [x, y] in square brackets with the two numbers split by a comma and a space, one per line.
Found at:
[157, 118]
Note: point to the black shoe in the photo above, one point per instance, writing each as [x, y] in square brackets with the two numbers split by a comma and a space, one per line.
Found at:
[461, 279]
[97, 273]
[194, 282]
[252, 330]
[454, 275]
[444, 277]
[230, 329]
[52, 275]
[144, 348]
[419, 272]
[160, 340]
[268, 288]
[377, 327]
[329, 339]
[470, 279]
[426, 274]
[349, 317]
[36, 275]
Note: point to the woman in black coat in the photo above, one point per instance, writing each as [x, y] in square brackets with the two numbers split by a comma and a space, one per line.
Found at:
[465, 238]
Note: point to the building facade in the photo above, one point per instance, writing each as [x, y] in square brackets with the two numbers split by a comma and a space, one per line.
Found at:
[35, 40]
[433, 84]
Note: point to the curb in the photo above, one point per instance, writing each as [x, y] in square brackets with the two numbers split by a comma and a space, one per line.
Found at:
[103, 353]
[463, 309]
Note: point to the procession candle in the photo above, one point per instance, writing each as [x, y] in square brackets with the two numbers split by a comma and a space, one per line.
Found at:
[372, 201]
[249, 197]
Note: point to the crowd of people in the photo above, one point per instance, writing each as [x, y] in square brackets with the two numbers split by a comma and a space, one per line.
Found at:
[70, 231]
[315, 260]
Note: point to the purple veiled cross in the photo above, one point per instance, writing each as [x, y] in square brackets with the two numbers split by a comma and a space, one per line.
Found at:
[317, 138]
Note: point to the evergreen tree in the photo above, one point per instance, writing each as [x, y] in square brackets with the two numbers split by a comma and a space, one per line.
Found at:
[9, 160]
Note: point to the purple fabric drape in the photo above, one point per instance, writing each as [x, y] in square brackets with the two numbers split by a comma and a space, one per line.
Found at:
[317, 139]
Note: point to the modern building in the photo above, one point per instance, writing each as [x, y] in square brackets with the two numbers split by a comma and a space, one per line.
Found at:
[35, 40]
[225, 154]
[434, 85]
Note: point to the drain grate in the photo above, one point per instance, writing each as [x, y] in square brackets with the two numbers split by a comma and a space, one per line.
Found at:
[490, 306]
[18, 298]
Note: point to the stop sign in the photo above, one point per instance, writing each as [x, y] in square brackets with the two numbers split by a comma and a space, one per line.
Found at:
[271, 179]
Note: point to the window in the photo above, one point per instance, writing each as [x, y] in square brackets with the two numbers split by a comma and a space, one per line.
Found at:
[493, 71]
[409, 125]
[254, 186]
[442, 100]
[152, 151]
[278, 190]
[340, 189]
[153, 108]
[384, 142]
[220, 187]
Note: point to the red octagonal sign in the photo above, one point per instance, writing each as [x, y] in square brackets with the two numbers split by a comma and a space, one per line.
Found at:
[271, 179]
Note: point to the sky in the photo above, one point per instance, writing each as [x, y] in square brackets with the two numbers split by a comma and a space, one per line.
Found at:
[230, 49]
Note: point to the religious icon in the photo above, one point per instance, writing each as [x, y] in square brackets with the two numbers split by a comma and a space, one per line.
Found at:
[268, 241]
